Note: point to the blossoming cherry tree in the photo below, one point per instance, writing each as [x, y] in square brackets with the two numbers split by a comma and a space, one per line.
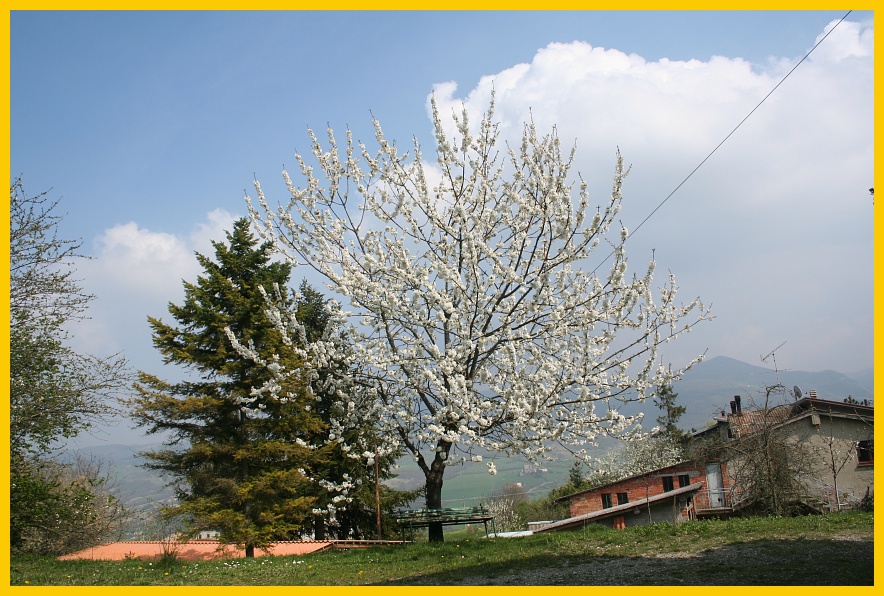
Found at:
[476, 321]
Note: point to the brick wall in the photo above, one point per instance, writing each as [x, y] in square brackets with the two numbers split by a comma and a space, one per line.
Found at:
[637, 487]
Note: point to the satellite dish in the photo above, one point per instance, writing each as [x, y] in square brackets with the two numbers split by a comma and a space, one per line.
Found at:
[797, 391]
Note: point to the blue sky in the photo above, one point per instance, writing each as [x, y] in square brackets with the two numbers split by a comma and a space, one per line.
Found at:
[150, 127]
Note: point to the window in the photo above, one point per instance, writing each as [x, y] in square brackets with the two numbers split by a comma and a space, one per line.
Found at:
[622, 498]
[683, 480]
[668, 483]
[865, 453]
[606, 500]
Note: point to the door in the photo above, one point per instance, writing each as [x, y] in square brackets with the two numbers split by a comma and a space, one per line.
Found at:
[714, 485]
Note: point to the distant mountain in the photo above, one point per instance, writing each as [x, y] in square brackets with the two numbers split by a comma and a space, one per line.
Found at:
[866, 378]
[705, 390]
[710, 386]
[137, 487]
[143, 489]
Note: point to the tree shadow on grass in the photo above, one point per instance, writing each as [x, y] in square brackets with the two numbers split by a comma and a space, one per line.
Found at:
[754, 563]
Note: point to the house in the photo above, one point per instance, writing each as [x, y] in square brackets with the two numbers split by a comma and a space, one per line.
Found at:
[840, 472]
[837, 441]
[666, 494]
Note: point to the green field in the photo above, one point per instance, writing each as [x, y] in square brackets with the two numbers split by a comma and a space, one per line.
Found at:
[835, 549]
[471, 484]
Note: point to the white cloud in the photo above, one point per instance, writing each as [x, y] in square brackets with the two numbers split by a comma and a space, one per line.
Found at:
[849, 39]
[790, 182]
[132, 259]
[134, 274]
[605, 97]
[139, 260]
[218, 223]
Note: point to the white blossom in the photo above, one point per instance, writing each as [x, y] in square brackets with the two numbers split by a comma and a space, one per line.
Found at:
[477, 319]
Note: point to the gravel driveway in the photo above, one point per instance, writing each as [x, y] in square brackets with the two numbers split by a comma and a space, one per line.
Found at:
[765, 562]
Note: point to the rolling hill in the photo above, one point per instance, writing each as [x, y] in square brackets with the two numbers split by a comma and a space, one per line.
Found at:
[704, 391]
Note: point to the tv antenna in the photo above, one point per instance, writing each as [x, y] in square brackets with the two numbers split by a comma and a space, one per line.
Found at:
[773, 355]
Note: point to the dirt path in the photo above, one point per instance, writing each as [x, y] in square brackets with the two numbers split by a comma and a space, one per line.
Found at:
[765, 562]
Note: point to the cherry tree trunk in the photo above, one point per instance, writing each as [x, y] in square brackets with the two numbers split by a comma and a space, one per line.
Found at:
[434, 501]
[434, 496]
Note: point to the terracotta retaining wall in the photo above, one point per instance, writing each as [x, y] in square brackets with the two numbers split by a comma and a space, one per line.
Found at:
[195, 550]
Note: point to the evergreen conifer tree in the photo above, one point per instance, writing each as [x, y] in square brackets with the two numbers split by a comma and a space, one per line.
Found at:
[241, 460]
[670, 413]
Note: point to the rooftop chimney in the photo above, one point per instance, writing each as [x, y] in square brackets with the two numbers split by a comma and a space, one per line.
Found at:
[737, 401]
[733, 407]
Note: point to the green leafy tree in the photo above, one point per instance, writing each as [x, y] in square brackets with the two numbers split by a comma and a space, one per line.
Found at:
[62, 507]
[548, 508]
[243, 461]
[54, 391]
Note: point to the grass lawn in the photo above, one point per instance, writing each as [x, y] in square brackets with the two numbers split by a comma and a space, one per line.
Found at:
[783, 544]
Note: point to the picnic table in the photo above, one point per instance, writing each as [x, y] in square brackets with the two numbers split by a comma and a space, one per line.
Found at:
[409, 519]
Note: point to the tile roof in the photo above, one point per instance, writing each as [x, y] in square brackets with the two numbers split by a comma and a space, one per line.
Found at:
[750, 421]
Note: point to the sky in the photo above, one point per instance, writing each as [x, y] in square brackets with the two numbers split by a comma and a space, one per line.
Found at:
[150, 128]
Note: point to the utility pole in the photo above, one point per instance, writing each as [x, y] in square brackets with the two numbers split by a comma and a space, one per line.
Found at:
[377, 492]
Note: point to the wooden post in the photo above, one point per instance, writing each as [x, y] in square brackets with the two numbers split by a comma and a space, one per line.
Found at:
[377, 492]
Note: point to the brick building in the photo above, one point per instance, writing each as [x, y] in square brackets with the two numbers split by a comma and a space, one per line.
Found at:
[690, 490]
[668, 494]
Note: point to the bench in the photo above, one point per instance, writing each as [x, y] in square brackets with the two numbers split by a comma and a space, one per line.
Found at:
[422, 518]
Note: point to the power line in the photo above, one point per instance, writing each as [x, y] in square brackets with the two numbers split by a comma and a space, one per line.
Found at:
[717, 147]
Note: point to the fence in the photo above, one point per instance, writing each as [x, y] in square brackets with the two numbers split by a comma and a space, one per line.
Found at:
[721, 498]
